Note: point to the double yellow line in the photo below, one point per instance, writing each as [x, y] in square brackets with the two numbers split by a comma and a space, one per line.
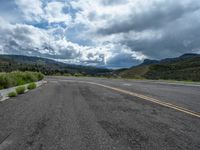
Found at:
[147, 98]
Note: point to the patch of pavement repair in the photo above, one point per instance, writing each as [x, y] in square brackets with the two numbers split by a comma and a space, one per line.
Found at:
[4, 92]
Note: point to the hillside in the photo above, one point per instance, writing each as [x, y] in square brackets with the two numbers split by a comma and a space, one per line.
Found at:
[185, 67]
[10, 63]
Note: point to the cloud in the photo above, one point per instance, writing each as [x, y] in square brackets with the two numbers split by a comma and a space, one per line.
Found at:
[29, 40]
[31, 9]
[38, 11]
[111, 33]
[171, 40]
[54, 13]
[151, 15]
[113, 2]
[157, 28]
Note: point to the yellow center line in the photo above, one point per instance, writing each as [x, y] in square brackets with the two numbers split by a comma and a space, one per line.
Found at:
[147, 98]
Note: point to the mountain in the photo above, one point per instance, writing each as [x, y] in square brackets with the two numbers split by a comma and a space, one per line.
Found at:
[47, 66]
[188, 55]
[185, 67]
[149, 62]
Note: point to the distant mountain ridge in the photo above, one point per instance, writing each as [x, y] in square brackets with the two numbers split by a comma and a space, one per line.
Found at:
[184, 56]
[148, 62]
[47, 66]
[185, 67]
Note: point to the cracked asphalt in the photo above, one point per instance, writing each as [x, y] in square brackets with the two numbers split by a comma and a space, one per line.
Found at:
[64, 115]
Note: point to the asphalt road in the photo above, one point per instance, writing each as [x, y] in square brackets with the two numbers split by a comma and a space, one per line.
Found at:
[74, 114]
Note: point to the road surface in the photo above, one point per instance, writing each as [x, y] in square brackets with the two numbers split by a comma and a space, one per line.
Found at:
[102, 114]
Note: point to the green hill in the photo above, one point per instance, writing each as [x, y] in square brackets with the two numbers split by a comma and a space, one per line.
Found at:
[185, 67]
[10, 63]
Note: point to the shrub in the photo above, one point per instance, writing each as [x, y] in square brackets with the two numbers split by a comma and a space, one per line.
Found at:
[5, 81]
[31, 86]
[78, 75]
[12, 94]
[20, 90]
[30, 77]
[17, 78]
[40, 76]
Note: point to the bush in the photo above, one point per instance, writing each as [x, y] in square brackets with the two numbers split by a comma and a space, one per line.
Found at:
[30, 77]
[40, 76]
[31, 86]
[12, 94]
[17, 78]
[5, 81]
[78, 75]
[20, 90]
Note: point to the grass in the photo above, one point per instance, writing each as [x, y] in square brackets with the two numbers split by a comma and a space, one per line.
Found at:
[135, 73]
[20, 90]
[12, 94]
[31, 86]
[18, 78]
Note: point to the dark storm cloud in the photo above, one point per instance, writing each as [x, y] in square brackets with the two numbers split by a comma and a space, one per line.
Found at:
[175, 40]
[176, 27]
[159, 16]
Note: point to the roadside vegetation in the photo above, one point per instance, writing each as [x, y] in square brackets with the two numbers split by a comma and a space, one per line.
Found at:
[18, 78]
[20, 90]
[31, 86]
[12, 94]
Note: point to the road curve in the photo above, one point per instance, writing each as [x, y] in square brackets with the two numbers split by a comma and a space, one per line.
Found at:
[183, 95]
[79, 116]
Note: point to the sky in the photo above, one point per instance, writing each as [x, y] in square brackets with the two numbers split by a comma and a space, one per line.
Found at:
[103, 33]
